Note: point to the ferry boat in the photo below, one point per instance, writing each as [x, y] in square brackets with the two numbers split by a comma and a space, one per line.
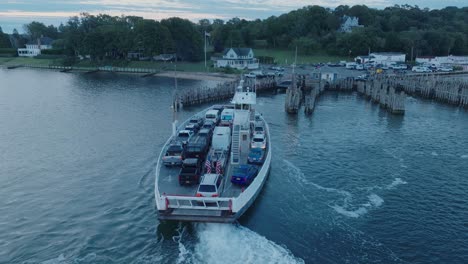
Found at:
[230, 173]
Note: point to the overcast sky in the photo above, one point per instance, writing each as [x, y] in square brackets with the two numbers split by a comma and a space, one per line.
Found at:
[15, 13]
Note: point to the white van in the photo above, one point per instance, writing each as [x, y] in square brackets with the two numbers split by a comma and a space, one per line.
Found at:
[212, 115]
[227, 117]
[221, 138]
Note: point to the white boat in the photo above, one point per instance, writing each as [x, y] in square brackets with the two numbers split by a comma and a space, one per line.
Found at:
[182, 202]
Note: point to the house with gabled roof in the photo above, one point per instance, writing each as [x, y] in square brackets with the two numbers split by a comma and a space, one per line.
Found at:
[238, 58]
[348, 23]
[34, 47]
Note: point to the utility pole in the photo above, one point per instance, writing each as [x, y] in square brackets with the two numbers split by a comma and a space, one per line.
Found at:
[412, 49]
[205, 48]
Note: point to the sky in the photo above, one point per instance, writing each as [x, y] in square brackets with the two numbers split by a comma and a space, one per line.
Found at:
[16, 13]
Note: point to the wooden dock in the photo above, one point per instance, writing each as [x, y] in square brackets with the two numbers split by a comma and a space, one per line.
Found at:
[222, 91]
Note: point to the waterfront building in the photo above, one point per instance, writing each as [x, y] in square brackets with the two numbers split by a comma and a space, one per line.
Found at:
[34, 47]
[238, 58]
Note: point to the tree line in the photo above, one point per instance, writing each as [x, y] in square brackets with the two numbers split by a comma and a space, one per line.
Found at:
[312, 29]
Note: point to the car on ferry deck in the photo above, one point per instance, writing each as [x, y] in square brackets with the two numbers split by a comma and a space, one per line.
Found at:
[256, 156]
[207, 133]
[211, 185]
[175, 154]
[258, 141]
[196, 120]
[209, 124]
[259, 128]
[192, 127]
[227, 117]
[244, 174]
[184, 136]
[212, 115]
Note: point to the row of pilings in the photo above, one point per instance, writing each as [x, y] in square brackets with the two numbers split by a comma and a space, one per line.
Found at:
[303, 91]
[386, 92]
[453, 91]
[222, 91]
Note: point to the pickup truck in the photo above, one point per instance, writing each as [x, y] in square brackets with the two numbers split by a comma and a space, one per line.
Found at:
[174, 154]
[190, 172]
[197, 147]
[244, 174]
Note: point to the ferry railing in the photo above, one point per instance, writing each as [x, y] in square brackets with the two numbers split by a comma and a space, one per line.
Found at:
[205, 203]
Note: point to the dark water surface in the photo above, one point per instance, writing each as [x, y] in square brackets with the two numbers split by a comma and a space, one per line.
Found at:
[349, 184]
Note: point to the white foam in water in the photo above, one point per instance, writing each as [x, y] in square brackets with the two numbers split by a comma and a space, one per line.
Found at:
[433, 153]
[59, 260]
[301, 177]
[464, 156]
[183, 252]
[396, 182]
[375, 200]
[350, 213]
[224, 243]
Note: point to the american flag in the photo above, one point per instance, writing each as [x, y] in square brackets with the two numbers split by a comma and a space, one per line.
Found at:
[208, 166]
[218, 167]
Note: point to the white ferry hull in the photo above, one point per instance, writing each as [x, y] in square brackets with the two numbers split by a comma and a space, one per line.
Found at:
[222, 209]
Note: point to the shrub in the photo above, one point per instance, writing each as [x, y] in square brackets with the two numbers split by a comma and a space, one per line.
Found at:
[52, 52]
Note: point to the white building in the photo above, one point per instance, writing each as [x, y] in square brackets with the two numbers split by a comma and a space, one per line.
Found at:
[238, 58]
[348, 23]
[384, 58]
[33, 48]
[445, 61]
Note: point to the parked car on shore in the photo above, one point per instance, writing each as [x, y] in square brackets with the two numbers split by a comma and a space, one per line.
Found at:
[445, 69]
[420, 69]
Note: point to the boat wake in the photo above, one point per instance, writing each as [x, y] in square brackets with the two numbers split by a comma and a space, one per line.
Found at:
[346, 207]
[224, 243]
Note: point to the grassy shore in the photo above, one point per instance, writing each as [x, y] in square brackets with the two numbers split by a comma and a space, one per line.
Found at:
[282, 57]
[9, 61]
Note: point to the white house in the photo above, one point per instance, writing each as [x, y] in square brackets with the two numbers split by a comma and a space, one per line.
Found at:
[33, 48]
[238, 58]
[348, 23]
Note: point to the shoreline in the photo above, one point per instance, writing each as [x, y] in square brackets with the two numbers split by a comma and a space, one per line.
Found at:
[198, 76]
